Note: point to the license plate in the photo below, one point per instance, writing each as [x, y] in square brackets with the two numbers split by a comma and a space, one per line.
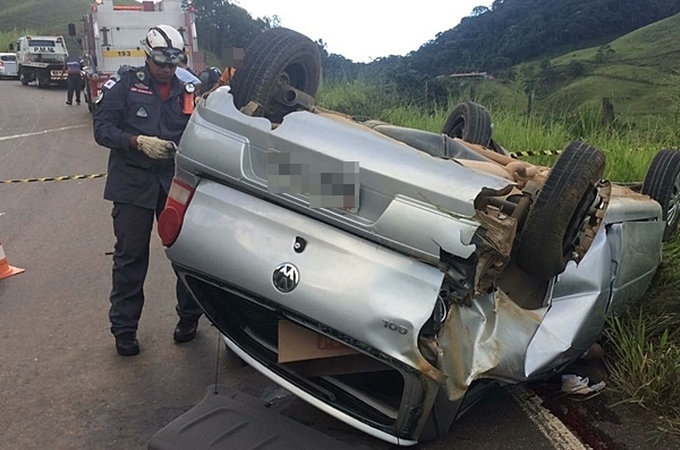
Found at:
[325, 182]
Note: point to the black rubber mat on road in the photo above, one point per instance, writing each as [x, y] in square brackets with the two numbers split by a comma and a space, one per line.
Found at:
[230, 419]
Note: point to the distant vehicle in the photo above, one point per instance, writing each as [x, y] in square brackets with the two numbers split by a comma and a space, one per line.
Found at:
[8, 65]
[41, 59]
[112, 35]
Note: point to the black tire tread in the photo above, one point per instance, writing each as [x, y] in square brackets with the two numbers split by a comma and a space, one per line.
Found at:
[477, 119]
[539, 249]
[267, 55]
[659, 181]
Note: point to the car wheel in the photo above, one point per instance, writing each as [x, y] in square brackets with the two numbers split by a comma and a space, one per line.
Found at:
[470, 122]
[662, 183]
[553, 227]
[277, 59]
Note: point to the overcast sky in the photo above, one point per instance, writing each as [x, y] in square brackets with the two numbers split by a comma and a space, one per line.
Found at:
[362, 30]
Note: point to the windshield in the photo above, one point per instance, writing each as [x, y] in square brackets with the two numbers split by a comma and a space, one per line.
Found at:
[47, 57]
[40, 43]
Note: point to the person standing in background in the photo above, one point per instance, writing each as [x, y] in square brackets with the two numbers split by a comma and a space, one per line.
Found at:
[74, 81]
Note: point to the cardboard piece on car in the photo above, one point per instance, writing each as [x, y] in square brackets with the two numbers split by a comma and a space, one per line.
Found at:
[297, 343]
[313, 354]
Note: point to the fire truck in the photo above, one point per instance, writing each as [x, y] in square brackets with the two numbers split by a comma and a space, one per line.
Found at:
[112, 33]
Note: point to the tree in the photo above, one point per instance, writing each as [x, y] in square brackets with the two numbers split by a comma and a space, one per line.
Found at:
[479, 10]
[323, 49]
[221, 24]
[603, 54]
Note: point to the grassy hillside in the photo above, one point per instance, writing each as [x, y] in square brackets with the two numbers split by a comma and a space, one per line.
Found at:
[44, 16]
[640, 73]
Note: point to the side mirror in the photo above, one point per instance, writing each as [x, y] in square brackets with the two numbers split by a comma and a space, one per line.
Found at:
[10, 47]
[71, 29]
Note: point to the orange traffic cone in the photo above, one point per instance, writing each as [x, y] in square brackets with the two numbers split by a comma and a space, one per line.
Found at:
[5, 269]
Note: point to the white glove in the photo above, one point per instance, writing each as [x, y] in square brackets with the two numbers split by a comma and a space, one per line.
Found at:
[155, 148]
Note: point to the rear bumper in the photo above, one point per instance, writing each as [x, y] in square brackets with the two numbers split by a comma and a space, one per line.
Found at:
[8, 73]
[249, 330]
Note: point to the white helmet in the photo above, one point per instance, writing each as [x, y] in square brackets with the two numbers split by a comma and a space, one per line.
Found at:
[164, 44]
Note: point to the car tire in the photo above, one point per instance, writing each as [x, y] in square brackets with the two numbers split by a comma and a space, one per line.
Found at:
[470, 122]
[662, 183]
[551, 229]
[275, 54]
[22, 78]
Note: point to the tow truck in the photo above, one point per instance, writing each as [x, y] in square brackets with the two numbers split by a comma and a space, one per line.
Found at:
[41, 59]
[112, 33]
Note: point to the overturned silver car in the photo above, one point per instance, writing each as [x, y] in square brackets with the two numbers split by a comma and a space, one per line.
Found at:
[390, 276]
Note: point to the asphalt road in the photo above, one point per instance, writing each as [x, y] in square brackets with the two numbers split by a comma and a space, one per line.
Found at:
[62, 385]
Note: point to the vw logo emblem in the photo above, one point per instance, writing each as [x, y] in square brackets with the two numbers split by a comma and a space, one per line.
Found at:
[286, 277]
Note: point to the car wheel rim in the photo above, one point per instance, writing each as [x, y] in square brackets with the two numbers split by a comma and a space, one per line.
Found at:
[674, 204]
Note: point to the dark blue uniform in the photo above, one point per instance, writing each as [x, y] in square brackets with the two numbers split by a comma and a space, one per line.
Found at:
[74, 82]
[130, 104]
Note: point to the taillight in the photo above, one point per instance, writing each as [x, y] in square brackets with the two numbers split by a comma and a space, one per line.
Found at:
[2, 64]
[171, 218]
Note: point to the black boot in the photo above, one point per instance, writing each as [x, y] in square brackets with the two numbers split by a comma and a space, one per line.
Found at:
[126, 344]
[185, 330]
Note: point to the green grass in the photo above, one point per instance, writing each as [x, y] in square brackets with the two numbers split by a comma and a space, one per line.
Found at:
[644, 342]
[640, 47]
[637, 76]
[10, 37]
[45, 16]
[629, 148]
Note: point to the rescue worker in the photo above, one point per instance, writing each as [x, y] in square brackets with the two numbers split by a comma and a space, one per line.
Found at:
[74, 81]
[140, 118]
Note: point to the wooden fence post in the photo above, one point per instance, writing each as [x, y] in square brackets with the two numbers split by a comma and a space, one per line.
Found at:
[607, 113]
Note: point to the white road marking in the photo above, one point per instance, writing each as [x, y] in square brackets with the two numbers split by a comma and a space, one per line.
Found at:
[551, 427]
[17, 136]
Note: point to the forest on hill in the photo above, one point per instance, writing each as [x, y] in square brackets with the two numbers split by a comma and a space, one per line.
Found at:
[514, 31]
